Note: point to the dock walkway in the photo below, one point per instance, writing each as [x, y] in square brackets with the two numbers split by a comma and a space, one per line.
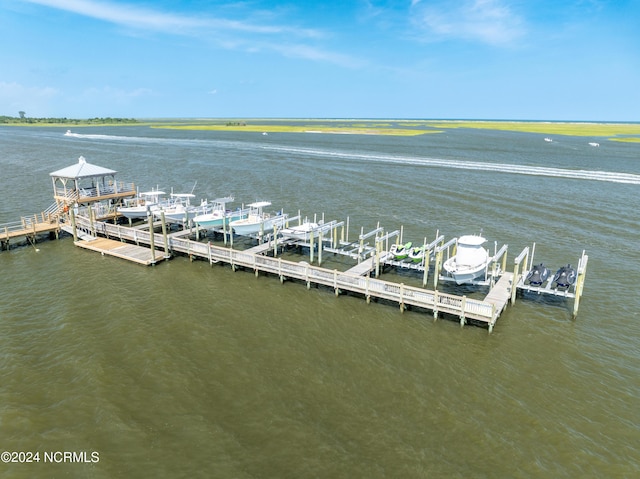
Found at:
[439, 303]
[500, 294]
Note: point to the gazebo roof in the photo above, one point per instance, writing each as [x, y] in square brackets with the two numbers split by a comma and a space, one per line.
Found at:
[82, 169]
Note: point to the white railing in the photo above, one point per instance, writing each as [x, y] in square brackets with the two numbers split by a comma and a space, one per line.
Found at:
[397, 292]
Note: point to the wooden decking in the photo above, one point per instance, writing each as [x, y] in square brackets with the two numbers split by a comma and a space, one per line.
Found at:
[130, 252]
[340, 281]
[29, 227]
[500, 294]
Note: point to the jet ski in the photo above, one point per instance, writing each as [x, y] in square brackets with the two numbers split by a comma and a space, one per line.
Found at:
[564, 277]
[538, 275]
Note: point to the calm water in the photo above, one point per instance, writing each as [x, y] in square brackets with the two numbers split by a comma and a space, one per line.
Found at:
[188, 370]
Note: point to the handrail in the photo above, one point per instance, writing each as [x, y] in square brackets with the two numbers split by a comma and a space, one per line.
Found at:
[400, 293]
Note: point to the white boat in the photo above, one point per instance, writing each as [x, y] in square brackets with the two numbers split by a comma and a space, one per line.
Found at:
[140, 206]
[470, 261]
[180, 209]
[548, 140]
[257, 221]
[593, 143]
[219, 214]
[304, 231]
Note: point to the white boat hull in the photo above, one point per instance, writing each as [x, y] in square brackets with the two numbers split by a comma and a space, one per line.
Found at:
[465, 274]
[254, 224]
[216, 219]
[136, 212]
[303, 232]
[470, 262]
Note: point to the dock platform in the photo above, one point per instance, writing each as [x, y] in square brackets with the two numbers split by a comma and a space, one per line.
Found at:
[130, 252]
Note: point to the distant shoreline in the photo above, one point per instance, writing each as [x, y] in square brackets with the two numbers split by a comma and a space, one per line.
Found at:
[630, 131]
[626, 132]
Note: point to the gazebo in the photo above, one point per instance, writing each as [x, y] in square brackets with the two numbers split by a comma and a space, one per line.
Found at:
[84, 183]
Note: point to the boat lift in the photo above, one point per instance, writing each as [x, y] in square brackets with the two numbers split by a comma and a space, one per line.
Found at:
[495, 266]
[573, 291]
[423, 266]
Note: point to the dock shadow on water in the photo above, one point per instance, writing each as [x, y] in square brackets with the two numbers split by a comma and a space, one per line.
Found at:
[186, 369]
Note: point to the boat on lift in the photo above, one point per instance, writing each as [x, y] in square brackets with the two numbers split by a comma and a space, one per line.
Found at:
[470, 261]
[142, 205]
[400, 252]
[180, 209]
[416, 254]
[257, 221]
[564, 277]
[219, 214]
[538, 275]
[303, 232]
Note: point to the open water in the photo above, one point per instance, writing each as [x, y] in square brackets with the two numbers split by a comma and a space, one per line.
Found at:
[188, 370]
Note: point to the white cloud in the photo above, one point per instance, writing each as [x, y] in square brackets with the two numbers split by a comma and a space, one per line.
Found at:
[488, 21]
[34, 101]
[148, 19]
[226, 33]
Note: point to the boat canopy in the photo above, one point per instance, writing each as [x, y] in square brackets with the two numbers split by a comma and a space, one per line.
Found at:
[259, 204]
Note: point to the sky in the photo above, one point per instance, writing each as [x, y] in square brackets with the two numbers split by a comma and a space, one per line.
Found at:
[563, 60]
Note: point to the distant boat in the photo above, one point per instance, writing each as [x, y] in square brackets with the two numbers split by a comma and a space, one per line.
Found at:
[548, 139]
[593, 143]
[470, 261]
[265, 133]
[68, 133]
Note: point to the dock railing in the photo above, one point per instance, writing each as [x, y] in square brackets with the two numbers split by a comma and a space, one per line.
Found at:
[461, 306]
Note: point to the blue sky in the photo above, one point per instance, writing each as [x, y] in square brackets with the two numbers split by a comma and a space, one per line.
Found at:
[489, 59]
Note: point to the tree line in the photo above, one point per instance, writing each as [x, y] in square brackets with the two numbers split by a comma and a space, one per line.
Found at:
[67, 121]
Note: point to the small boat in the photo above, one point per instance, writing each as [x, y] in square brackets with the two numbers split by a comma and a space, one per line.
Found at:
[593, 143]
[470, 261]
[304, 231]
[180, 209]
[416, 254]
[219, 215]
[538, 275]
[257, 221]
[400, 251]
[143, 204]
[548, 140]
[564, 277]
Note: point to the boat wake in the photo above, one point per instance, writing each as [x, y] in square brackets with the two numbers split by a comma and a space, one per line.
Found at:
[610, 176]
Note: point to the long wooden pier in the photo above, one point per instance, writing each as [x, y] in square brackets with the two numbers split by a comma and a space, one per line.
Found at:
[464, 308]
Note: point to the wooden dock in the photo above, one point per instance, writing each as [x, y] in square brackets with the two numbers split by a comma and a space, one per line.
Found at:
[500, 294]
[29, 227]
[348, 281]
[119, 249]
